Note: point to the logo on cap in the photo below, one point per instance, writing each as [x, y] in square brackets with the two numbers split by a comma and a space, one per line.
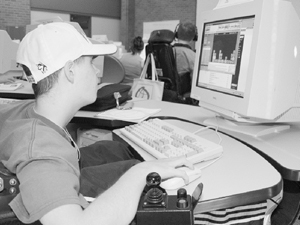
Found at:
[41, 67]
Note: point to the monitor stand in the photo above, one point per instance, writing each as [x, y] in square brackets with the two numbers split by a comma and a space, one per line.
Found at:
[250, 129]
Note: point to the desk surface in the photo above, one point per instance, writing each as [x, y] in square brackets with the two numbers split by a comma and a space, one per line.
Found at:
[239, 177]
[280, 149]
[24, 92]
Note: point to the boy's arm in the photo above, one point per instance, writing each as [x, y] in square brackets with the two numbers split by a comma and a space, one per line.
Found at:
[119, 203]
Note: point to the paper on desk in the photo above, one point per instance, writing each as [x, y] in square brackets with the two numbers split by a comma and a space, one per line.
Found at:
[135, 114]
[10, 87]
[226, 3]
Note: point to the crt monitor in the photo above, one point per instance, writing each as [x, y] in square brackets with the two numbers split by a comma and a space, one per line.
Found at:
[247, 66]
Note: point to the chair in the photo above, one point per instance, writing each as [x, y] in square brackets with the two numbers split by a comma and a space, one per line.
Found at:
[113, 70]
[176, 87]
[9, 188]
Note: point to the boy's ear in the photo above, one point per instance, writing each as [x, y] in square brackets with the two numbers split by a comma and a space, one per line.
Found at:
[68, 71]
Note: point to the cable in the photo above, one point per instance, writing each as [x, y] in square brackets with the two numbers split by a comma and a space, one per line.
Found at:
[212, 162]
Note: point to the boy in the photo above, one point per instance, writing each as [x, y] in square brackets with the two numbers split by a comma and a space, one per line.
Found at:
[58, 59]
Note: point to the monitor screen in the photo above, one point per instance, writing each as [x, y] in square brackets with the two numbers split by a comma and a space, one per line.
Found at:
[225, 43]
[247, 65]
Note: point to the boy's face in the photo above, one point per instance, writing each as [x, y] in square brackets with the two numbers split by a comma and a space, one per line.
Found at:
[87, 79]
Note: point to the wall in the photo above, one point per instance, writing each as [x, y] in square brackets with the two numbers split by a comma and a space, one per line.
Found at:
[18, 13]
[135, 12]
[100, 8]
[100, 25]
[14, 13]
[108, 26]
[36, 16]
[127, 27]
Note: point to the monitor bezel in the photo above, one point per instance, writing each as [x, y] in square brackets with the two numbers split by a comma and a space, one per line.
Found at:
[243, 108]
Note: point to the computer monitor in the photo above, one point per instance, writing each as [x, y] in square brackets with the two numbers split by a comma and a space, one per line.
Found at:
[8, 53]
[247, 66]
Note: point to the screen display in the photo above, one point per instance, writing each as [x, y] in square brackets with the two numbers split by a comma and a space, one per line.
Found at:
[224, 55]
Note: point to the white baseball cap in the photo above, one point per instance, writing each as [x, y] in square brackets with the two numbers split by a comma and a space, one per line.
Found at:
[48, 47]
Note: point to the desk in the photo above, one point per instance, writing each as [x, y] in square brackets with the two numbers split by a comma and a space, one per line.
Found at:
[240, 177]
[281, 149]
[25, 92]
[87, 117]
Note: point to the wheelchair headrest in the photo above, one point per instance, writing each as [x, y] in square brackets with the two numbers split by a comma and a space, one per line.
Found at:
[161, 36]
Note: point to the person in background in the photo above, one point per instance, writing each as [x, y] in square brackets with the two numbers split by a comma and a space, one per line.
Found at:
[132, 61]
[185, 34]
[35, 144]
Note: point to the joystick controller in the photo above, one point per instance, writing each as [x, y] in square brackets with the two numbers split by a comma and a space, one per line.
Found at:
[157, 207]
[155, 196]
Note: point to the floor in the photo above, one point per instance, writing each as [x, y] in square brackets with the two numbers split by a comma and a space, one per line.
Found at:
[287, 212]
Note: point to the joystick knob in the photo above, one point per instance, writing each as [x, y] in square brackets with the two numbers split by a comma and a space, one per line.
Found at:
[155, 195]
[153, 179]
[182, 201]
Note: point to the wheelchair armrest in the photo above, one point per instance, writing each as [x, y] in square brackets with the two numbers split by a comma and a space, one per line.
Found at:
[168, 82]
[9, 188]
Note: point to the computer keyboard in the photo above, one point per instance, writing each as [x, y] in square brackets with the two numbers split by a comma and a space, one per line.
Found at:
[164, 140]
